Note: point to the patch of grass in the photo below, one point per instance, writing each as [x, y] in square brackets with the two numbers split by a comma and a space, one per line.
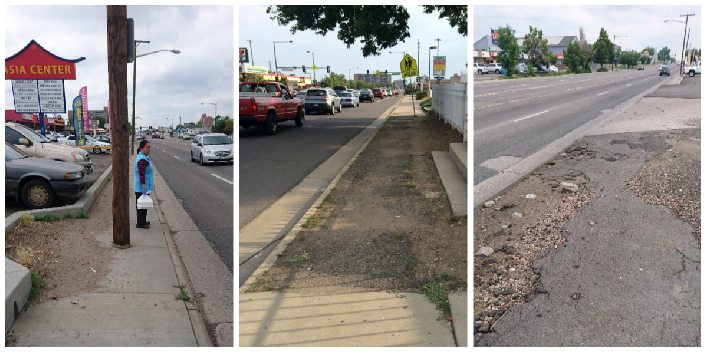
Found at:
[109, 178]
[275, 287]
[7, 249]
[183, 295]
[25, 218]
[409, 185]
[300, 258]
[398, 237]
[82, 216]
[254, 285]
[313, 221]
[46, 218]
[408, 174]
[37, 283]
[436, 293]
[67, 216]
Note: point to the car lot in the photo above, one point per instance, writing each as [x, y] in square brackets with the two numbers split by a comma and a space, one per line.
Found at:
[101, 162]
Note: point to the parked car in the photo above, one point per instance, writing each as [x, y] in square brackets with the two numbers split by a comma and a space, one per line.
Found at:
[212, 148]
[541, 69]
[479, 68]
[265, 104]
[366, 95]
[494, 67]
[553, 68]
[36, 182]
[98, 145]
[41, 147]
[641, 67]
[521, 68]
[694, 69]
[324, 100]
[378, 93]
[397, 92]
[664, 70]
[348, 99]
[104, 139]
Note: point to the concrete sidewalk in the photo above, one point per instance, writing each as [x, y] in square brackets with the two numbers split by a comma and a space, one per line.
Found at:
[277, 319]
[134, 306]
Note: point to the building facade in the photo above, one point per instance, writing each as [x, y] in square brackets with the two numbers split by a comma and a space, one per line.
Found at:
[207, 121]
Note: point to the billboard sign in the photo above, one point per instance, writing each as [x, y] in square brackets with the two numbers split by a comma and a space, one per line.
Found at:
[35, 62]
[243, 55]
[39, 95]
[439, 66]
[494, 35]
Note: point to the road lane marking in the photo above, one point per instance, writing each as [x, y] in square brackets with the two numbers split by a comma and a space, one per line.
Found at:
[602, 93]
[629, 84]
[177, 157]
[532, 115]
[223, 179]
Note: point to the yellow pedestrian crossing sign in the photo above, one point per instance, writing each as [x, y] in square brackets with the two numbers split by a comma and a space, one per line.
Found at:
[408, 66]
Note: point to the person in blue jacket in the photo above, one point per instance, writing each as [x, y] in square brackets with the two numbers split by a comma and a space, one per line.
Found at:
[144, 180]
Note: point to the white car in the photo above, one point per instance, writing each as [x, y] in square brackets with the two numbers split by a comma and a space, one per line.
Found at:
[693, 69]
[479, 68]
[99, 147]
[494, 67]
[212, 148]
[553, 68]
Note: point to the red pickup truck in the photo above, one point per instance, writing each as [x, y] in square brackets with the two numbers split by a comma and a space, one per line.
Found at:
[264, 104]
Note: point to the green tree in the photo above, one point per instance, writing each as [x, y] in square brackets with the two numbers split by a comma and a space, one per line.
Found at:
[629, 59]
[663, 54]
[536, 48]
[101, 121]
[252, 77]
[179, 126]
[574, 57]
[603, 49]
[220, 124]
[199, 124]
[379, 26]
[508, 58]
[585, 45]
[650, 50]
[229, 127]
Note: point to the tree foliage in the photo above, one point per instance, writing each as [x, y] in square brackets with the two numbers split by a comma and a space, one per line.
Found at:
[536, 48]
[378, 26]
[575, 57]
[630, 59]
[584, 44]
[254, 77]
[650, 50]
[603, 49]
[663, 54]
[510, 50]
[220, 124]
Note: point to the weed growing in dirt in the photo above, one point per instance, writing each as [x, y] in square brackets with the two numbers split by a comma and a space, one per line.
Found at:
[82, 216]
[409, 185]
[67, 216]
[46, 218]
[183, 295]
[409, 175]
[25, 218]
[300, 258]
[254, 285]
[275, 287]
[437, 294]
[313, 221]
[7, 249]
[37, 283]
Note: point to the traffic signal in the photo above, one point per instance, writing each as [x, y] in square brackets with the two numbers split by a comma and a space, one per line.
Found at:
[385, 73]
[304, 68]
[368, 72]
[328, 69]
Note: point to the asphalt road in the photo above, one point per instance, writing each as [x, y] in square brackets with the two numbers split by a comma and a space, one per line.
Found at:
[272, 165]
[205, 192]
[515, 118]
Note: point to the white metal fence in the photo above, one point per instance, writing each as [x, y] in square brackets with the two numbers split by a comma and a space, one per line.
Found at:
[450, 102]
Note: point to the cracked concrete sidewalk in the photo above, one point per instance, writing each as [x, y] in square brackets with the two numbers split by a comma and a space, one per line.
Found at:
[633, 278]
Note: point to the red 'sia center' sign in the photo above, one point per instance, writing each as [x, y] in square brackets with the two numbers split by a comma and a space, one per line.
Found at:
[35, 62]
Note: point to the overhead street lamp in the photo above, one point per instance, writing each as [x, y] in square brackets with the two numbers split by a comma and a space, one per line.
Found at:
[681, 64]
[134, 76]
[430, 49]
[214, 113]
[615, 36]
[275, 49]
[349, 72]
[313, 63]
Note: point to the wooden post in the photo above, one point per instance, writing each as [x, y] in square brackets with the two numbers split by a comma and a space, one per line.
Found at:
[117, 86]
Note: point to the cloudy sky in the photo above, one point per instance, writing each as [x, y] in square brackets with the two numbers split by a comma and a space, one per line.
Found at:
[168, 85]
[643, 25]
[255, 24]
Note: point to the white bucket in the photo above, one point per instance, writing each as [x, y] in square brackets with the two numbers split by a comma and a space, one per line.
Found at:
[144, 202]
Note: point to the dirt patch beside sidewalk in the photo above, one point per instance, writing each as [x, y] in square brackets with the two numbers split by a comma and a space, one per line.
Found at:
[385, 226]
[65, 253]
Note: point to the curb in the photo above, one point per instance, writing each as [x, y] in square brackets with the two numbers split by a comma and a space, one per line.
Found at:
[284, 241]
[81, 206]
[203, 339]
[511, 176]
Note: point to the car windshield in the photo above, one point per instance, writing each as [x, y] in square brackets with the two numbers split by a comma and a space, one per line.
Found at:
[12, 153]
[316, 93]
[33, 135]
[345, 94]
[216, 140]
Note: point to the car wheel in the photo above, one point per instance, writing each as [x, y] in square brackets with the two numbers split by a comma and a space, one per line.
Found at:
[37, 194]
[480, 72]
[497, 71]
[299, 120]
[192, 156]
[96, 150]
[270, 124]
[201, 159]
[307, 112]
[340, 108]
[333, 109]
[691, 73]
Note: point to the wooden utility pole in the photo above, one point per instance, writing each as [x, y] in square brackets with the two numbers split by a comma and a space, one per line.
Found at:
[117, 87]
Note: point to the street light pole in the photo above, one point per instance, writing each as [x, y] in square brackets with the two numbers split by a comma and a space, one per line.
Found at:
[431, 47]
[275, 49]
[313, 63]
[215, 112]
[681, 65]
[349, 72]
[614, 36]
